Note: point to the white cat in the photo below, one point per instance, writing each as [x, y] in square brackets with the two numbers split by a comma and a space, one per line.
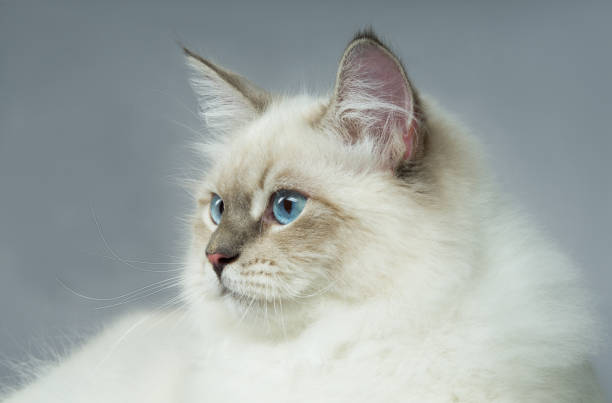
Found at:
[346, 249]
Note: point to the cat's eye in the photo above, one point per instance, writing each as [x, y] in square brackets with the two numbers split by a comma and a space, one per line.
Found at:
[216, 208]
[287, 205]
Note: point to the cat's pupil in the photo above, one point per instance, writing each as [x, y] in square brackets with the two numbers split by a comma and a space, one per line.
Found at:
[288, 205]
[221, 208]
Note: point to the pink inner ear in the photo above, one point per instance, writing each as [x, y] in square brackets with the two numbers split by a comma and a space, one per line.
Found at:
[384, 80]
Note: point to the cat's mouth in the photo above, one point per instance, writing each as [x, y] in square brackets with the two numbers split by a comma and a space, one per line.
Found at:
[237, 293]
[247, 290]
[226, 291]
[245, 301]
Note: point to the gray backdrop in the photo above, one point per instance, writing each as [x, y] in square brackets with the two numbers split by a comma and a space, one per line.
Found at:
[96, 113]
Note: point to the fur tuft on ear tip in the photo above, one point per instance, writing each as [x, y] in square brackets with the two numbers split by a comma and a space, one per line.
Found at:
[186, 51]
[367, 33]
[199, 60]
[192, 56]
[189, 53]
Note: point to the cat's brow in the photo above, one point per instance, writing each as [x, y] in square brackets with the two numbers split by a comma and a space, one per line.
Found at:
[264, 175]
[259, 199]
[258, 203]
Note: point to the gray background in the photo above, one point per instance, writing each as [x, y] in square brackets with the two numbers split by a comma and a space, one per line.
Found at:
[96, 114]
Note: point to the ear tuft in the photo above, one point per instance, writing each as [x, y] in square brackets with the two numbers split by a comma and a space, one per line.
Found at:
[226, 100]
[369, 34]
[374, 101]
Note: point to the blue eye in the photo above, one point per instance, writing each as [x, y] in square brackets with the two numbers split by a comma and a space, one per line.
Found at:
[287, 205]
[216, 208]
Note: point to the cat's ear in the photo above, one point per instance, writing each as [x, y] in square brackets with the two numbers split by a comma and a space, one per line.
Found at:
[226, 100]
[374, 101]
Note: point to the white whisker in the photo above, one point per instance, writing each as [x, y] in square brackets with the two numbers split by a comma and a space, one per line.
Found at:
[139, 297]
[123, 296]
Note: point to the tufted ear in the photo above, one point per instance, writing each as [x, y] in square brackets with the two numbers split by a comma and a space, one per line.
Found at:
[374, 101]
[226, 100]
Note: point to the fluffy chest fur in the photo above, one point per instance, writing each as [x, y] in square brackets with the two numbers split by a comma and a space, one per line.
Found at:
[344, 357]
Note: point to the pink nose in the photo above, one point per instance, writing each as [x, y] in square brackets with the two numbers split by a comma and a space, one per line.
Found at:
[216, 258]
[219, 260]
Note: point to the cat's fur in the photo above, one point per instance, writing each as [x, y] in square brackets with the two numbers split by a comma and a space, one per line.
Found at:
[406, 278]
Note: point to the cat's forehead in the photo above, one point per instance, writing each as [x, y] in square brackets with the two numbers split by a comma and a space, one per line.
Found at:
[283, 145]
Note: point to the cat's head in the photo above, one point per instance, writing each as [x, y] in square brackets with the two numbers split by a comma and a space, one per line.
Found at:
[312, 200]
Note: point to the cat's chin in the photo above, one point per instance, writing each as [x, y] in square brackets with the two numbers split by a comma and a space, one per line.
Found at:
[267, 315]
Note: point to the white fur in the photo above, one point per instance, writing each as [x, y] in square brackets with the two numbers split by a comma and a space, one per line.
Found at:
[449, 295]
[259, 202]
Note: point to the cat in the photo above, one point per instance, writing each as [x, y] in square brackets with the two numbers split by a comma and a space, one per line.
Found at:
[347, 248]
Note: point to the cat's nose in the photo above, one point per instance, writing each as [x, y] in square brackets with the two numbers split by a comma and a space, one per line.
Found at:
[219, 260]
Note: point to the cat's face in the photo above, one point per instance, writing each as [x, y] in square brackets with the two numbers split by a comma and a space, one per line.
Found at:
[309, 199]
[288, 251]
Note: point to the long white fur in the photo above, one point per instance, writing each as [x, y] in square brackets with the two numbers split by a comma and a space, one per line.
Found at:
[448, 297]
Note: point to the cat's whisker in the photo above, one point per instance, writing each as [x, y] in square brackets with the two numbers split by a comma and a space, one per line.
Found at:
[280, 303]
[260, 305]
[274, 304]
[150, 263]
[315, 293]
[139, 297]
[147, 262]
[289, 291]
[114, 254]
[282, 317]
[123, 296]
[266, 305]
[321, 291]
[246, 312]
